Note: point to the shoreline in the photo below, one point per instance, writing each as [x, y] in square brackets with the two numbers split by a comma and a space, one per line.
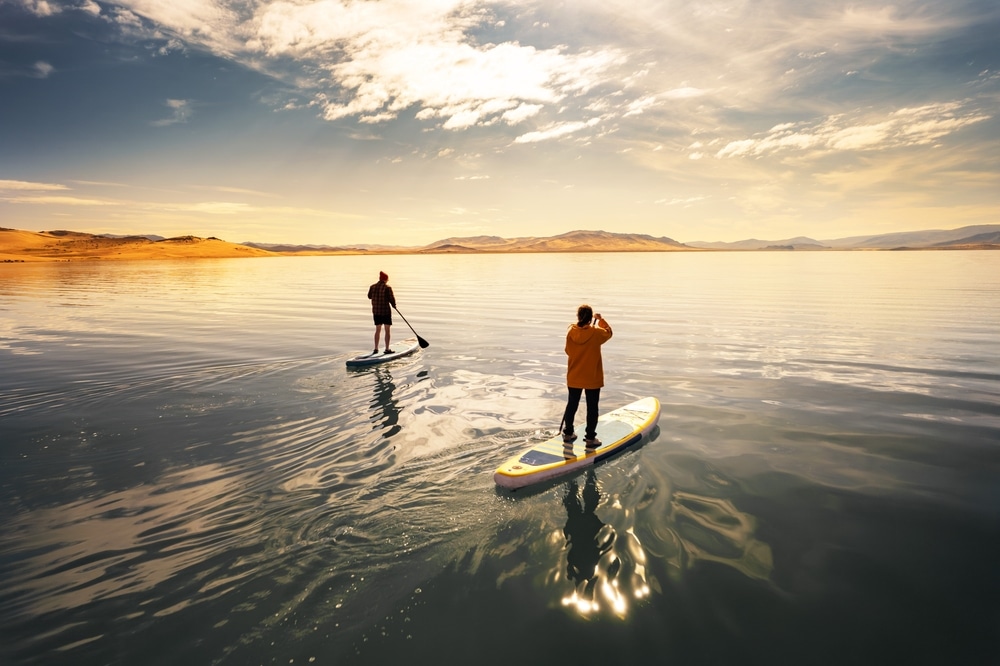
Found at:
[17, 246]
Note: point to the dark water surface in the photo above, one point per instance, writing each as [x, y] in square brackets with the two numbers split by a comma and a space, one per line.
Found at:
[189, 474]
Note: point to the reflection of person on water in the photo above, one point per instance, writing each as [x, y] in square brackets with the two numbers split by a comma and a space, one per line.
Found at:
[582, 530]
[585, 371]
[385, 401]
[382, 298]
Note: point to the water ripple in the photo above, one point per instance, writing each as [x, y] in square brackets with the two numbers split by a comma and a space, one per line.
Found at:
[204, 459]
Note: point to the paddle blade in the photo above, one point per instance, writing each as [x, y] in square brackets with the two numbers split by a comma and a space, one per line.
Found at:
[420, 341]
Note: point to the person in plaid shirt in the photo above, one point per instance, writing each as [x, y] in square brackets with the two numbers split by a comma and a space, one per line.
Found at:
[382, 297]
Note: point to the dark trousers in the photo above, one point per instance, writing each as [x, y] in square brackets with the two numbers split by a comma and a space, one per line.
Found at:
[593, 399]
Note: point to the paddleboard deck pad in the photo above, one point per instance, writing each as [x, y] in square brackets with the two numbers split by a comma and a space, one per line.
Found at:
[617, 430]
[404, 348]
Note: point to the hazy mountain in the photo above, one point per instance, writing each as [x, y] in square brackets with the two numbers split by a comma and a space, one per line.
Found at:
[984, 235]
[573, 241]
[910, 239]
[448, 248]
[68, 245]
[152, 237]
[799, 242]
[478, 242]
[988, 238]
[926, 238]
[285, 247]
[362, 248]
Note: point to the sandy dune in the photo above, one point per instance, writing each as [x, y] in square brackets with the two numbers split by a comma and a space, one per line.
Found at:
[16, 245]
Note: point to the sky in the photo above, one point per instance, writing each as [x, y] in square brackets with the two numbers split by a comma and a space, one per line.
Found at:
[404, 122]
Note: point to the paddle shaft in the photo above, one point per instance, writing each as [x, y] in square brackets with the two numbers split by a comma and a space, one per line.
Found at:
[420, 341]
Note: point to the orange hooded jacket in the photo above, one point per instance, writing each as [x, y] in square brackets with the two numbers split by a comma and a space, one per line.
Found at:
[583, 346]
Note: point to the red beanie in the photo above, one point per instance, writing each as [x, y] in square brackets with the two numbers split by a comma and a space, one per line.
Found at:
[383, 277]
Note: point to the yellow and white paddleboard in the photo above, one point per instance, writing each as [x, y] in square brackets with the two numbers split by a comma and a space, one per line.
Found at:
[546, 460]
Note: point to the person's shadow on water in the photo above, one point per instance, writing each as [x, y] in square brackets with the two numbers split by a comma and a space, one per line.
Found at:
[582, 532]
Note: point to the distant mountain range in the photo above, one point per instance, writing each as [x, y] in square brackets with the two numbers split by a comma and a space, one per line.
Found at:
[984, 236]
[61, 245]
[573, 241]
[977, 235]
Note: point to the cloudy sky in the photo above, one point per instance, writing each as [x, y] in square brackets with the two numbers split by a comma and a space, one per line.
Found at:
[409, 121]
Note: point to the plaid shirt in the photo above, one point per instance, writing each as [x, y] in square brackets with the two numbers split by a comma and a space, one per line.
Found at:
[381, 295]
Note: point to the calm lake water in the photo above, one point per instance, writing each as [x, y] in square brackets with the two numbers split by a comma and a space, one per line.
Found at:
[189, 473]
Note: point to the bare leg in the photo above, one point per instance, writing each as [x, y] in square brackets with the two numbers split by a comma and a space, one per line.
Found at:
[387, 336]
[378, 334]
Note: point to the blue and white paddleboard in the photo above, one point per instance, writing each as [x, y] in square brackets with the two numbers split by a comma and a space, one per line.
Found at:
[404, 348]
[617, 430]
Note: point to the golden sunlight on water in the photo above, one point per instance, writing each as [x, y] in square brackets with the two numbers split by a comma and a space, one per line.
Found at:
[602, 565]
[118, 543]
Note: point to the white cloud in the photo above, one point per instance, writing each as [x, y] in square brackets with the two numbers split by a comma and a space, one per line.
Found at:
[41, 7]
[905, 127]
[27, 185]
[91, 7]
[686, 92]
[215, 207]
[209, 208]
[463, 119]
[861, 137]
[521, 113]
[102, 183]
[373, 60]
[180, 112]
[56, 201]
[636, 107]
[43, 69]
[555, 131]
[680, 202]
[233, 190]
[455, 64]
[127, 21]
[207, 22]
[464, 84]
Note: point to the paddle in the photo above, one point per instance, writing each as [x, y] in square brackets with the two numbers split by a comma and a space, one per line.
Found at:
[420, 341]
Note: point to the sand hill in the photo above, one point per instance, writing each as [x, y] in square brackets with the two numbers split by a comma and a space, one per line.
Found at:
[19, 246]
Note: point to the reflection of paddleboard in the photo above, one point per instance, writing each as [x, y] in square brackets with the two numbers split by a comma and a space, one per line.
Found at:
[617, 430]
[405, 348]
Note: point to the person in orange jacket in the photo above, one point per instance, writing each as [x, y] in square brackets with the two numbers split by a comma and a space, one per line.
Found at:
[585, 372]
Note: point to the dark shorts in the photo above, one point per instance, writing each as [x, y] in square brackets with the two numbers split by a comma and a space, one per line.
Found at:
[382, 319]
